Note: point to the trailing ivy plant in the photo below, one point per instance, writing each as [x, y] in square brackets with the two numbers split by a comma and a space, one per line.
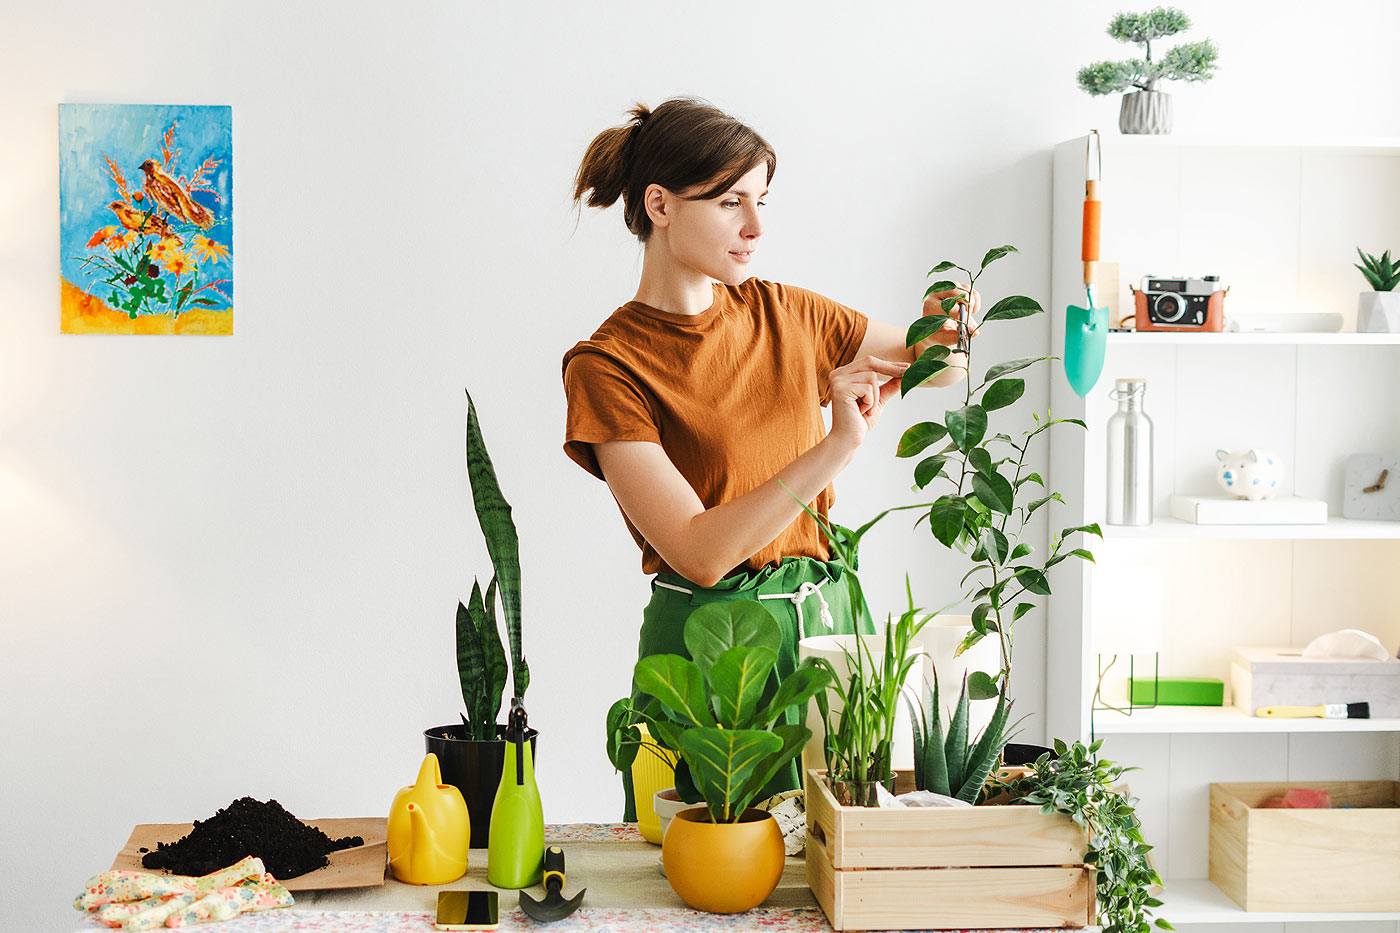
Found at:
[1076, 782]
[993, 494]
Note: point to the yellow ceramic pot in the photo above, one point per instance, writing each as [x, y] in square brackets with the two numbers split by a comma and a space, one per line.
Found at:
[723, 868]
[649, 775]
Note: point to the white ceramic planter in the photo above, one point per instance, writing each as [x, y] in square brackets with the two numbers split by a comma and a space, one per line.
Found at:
[668, 803]
[831, 647]
[1146, 113]
[1378, 313]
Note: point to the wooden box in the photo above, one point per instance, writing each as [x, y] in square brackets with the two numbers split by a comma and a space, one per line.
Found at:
[1307, 860]
[939, 868]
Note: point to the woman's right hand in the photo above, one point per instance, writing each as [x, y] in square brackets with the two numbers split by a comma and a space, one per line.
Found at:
[859, 391]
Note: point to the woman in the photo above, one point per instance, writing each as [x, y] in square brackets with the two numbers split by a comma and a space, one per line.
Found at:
[700, 399]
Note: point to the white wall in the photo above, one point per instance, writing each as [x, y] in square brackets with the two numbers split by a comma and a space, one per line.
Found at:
[229, 565]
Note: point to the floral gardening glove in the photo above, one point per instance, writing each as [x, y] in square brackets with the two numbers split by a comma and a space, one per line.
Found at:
[137, 900]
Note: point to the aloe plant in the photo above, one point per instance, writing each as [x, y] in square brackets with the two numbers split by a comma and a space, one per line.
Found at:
[1382, 274]
[956, 764]
[716, 708]
[481, 661]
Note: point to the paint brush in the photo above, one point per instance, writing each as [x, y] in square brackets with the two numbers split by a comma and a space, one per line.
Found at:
[1325, 711]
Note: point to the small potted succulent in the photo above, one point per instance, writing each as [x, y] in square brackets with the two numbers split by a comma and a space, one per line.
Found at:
[724, 712]
[1378, 311]
[473, 753]
[1148, 110]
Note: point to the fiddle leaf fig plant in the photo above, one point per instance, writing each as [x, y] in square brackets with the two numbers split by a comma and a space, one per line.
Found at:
[989, 491]
[721, 709]
[481, 660]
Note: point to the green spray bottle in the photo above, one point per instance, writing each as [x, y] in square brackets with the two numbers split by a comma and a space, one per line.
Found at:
[515, 853]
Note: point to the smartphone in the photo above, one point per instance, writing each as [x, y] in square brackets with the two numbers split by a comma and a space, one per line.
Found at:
[468, 910]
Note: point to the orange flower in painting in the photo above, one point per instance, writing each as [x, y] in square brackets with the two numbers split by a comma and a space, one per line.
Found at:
[120, 241]
[177, 261]
[206, 248]
[162, 248]
[101, 236]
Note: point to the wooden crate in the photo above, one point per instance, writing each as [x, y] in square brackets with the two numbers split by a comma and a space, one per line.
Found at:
[1307, 860]
[936, 868]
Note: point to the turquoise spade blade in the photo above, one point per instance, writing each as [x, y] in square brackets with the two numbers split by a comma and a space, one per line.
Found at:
[1086, 338]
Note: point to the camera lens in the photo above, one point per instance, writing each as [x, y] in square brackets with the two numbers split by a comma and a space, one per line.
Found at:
[1168, 309]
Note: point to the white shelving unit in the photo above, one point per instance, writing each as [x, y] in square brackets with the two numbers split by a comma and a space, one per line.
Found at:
[1280, 224]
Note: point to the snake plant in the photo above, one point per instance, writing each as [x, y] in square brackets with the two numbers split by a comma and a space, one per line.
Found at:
[481, 661]
[1382, 274]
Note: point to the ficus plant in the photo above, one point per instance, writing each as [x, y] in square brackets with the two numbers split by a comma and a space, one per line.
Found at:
[1076, 782]
[721, 709]
[481, 660]
[989, 492]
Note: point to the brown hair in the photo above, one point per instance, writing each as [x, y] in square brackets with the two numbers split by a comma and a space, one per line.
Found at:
[684, 142]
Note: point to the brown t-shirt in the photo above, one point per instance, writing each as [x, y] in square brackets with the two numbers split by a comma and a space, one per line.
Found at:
[733, 394]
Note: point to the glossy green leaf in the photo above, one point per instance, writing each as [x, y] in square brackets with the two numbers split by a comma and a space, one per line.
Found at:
[919, 437]
[1011, 366]
[946, 519]
[1021, 609]
[943, 266]
[1033, 580]
[966, 426]
[994, 254]
[955, 747]
[622, 735]
[1013, 307]
[980, 686]
[994, 491]
[925, 327]
[979, 617]
[1002, 393]
[996, 543]
[980, 460]
[794, 740]
[678, 684]
[928, 470]
[494, 654]
[942, 285]
[721, 761]
[929, 364]
[737, 679]
[804, 683]
[714, 628]
[1021, 550]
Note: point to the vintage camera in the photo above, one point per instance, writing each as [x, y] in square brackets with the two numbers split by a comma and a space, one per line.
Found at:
[1180, 303]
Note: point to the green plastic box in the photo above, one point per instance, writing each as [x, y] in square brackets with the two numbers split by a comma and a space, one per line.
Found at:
[1178, 691]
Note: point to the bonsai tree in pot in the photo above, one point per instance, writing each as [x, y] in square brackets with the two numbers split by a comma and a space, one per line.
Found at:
[1378, 311]
[1148, 110]
[724, 713]
[473, 753]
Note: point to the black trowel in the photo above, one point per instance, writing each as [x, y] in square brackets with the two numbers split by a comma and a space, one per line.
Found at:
[554, 906]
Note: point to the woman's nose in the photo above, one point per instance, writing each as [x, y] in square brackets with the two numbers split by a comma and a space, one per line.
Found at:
[753, 223]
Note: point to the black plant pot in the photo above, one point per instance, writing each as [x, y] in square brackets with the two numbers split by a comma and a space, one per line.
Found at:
[474, 768]
[1017, 754]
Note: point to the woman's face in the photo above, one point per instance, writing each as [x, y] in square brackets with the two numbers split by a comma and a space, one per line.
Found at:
[718, 237]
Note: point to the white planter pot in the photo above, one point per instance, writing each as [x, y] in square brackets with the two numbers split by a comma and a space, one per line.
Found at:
[1146, 113]
[831, 647]
[668, 803]
[1378, 313]
[943, 634]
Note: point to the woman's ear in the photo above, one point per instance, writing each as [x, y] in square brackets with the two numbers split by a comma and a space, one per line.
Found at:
[654, 200]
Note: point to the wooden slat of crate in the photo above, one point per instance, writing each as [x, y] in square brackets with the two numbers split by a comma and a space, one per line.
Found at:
[1307, 860]
[950, 898]
[930, 837]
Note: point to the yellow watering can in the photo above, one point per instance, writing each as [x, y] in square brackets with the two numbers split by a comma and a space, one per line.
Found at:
[429, 831]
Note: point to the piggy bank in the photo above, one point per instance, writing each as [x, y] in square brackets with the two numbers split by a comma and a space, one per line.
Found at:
[1249, 474]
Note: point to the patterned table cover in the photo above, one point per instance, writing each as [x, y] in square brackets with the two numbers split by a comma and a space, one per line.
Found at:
[592, 920]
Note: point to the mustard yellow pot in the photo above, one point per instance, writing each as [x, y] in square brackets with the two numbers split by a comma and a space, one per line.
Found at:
[723, 868]
[429, 830]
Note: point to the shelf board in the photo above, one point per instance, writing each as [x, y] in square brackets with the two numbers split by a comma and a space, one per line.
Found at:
[1178, 338]
[1163, 720]
[1335, 528]
[1196, 900]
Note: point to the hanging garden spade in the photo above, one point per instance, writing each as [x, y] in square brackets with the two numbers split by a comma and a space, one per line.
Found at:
[1086, 329]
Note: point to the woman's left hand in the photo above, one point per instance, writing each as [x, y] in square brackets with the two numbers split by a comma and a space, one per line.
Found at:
[969, 303]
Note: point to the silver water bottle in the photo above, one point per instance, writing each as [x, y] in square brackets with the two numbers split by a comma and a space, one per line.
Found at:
[1129, 456]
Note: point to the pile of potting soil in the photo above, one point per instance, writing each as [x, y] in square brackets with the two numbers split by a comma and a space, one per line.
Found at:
[287, 846]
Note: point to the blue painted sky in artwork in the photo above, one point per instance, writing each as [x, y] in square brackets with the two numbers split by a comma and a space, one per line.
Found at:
[129, 135]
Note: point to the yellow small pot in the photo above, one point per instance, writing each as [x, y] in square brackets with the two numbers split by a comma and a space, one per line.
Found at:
[723, 868]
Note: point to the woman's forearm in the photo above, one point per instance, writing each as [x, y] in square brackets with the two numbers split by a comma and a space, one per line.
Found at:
[726, 535]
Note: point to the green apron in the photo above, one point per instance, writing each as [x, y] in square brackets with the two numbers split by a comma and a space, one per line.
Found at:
[807, 596]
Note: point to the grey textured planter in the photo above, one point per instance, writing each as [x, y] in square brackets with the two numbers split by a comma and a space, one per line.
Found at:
[1378, 313]
[1146, 112]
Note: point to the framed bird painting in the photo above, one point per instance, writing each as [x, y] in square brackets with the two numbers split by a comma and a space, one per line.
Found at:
[145, 219]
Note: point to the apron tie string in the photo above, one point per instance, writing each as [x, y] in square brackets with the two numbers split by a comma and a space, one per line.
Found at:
[806, 590]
